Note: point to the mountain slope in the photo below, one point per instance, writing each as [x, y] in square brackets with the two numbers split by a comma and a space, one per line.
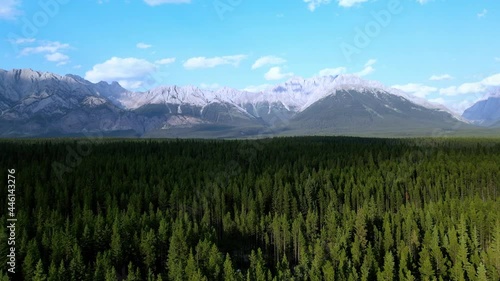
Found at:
[485, 112]
[365, 111]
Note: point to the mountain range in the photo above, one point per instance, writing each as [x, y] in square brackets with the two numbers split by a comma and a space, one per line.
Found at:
[40, 104]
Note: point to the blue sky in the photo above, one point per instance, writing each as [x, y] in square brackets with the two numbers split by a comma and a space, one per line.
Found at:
[445, 51]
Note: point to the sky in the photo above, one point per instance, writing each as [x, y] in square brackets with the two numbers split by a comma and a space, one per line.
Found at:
[446, 51]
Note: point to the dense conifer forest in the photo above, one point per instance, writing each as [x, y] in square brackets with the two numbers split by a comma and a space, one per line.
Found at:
[312, 208]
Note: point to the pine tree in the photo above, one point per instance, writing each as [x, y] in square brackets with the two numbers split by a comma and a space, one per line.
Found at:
[493, 251]
[53, 273]
[111, 274]
[148, 249]
[62, 272]
[116, 244]
[177, 253]
[388, 270]
[257, 268]
[426, 270]
[30, 261]
[131, 274]
[481, 273]
[39, 274]
[328, 271]
[215, 262]
[76, 265]
[191, 267]
[284, 272]
[229, 274]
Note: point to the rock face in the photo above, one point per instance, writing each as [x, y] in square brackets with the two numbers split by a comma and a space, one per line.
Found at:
[485, 112]
[36, 103]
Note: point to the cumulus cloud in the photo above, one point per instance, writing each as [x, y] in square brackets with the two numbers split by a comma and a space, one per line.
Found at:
[9, 9]
[474, 87]
[332, 71]
[417, 90]
[131, 73]
[268, 60]
[203, 62]
[441, 77]
[160, 2]
[165, 61]
[275, 73]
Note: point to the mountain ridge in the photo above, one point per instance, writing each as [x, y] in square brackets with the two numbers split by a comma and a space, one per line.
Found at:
[28, 96]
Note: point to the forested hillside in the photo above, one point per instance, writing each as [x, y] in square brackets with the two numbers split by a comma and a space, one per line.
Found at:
[280, 209]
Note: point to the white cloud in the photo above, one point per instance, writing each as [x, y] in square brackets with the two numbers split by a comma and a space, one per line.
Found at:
[160, 2]
[474, 87]
[332, 71]
[46, 47]
[268, 60]
[482, 14]
[52, 50]
[20, 41]
[9, 9]
[313, 4]
[493, 80]
[203, 62]
[441, 77]
[368, 69]
[257, 88]
[60, 58]
[165, 61]
[275, 73]
[131, 73]
[417, 90]
[142, 45]
[349, 3]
